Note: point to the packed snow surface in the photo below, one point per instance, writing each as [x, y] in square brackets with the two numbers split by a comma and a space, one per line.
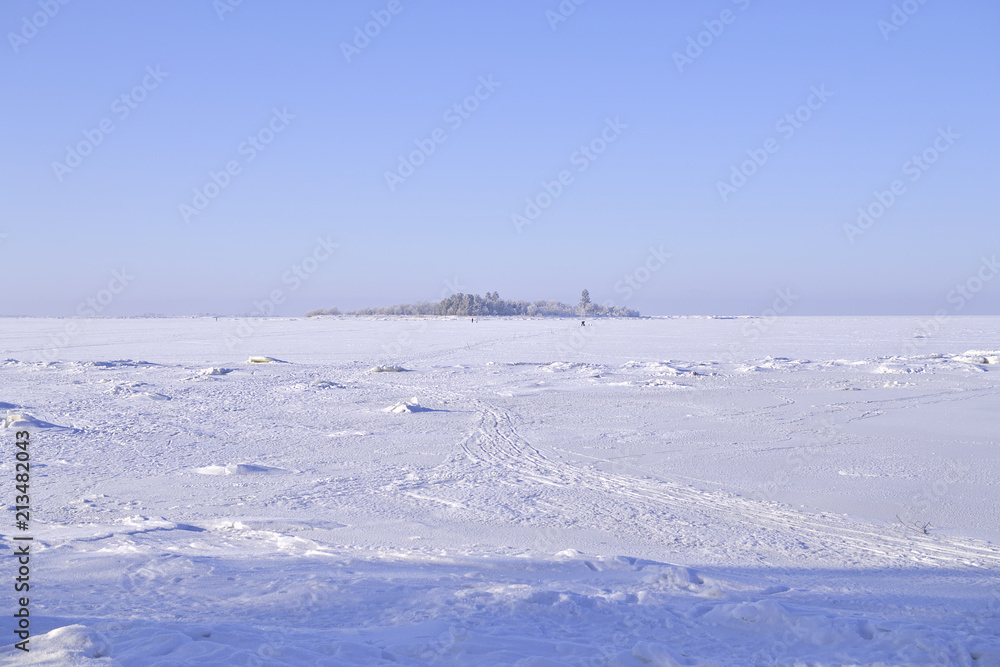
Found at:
[675, 491]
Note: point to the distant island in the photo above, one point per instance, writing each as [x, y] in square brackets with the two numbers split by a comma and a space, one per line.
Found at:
[474, 305]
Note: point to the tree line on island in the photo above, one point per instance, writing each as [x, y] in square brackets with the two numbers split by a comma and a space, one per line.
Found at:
[474, 305]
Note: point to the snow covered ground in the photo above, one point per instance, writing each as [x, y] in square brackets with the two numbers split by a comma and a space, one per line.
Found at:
[677, 491]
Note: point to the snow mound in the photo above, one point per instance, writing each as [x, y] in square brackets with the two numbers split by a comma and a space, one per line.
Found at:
[24, 420]
[587, 370]
[412, 405]
[149, 396]
[143, 524]
[133, 390]
[238, 469]
[774, 364]
[116, 363]
[898, 366]
[386, 369]
[325, 384]
[561, 366]
[261, 360]
[837, 363]
[670, 367]
[69, 645]
[215, 370]
[571, 554]
[660, 382]
[979, 357]
[19, 420]
[661, 367]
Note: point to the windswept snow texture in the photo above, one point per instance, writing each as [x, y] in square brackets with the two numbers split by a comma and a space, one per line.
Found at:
[677, 491]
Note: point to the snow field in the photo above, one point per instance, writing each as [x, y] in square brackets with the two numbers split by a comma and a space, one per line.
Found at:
[666, 492]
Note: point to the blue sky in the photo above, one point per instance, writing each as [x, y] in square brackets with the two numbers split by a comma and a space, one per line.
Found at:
[202, 84]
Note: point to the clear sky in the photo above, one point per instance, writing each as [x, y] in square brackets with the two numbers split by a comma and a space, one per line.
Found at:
[643, 109]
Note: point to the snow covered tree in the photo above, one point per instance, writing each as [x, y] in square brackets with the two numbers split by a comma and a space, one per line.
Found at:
[473, 305]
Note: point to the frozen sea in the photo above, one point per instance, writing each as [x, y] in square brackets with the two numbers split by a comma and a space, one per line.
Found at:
[664, 491]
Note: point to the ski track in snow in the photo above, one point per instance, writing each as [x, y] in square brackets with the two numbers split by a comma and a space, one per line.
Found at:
[538, 507]
[496, 443]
